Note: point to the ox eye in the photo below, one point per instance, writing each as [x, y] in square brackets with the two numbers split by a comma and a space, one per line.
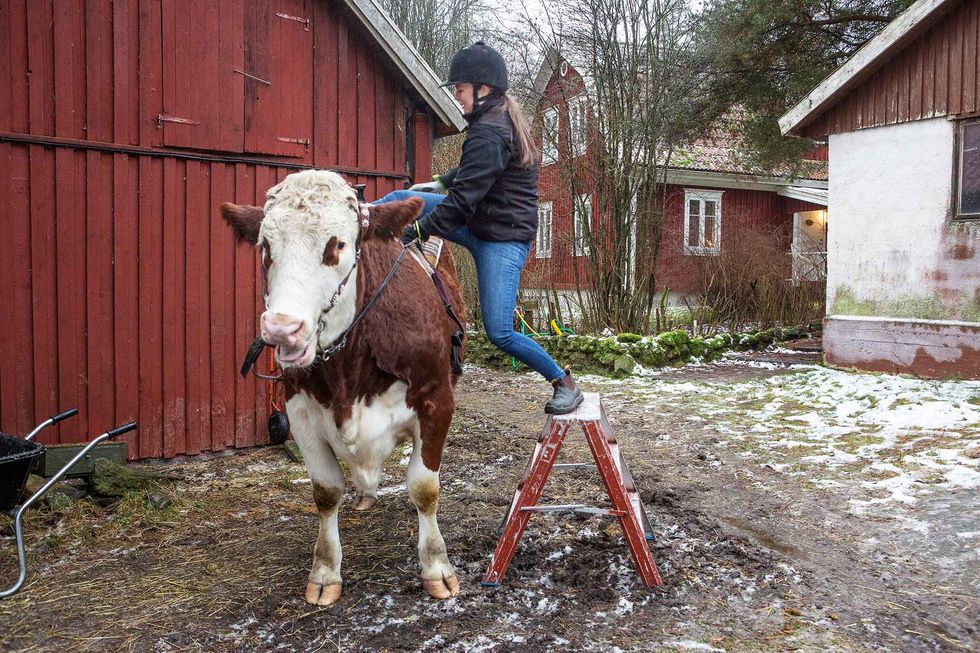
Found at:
[266, 256]
[331, 254]
[341, 245]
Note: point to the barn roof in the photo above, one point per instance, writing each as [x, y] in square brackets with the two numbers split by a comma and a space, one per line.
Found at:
[900, 32]
[409, 62]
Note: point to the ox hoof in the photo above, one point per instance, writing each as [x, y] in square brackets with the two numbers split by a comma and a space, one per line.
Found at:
[318, 594]
[442, 588]
[366, 503]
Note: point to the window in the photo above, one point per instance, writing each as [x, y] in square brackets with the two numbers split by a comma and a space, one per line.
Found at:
[968, 171]
[577, 124]
[702, 222]
[542, 244]
[582, 225]
[549, 136]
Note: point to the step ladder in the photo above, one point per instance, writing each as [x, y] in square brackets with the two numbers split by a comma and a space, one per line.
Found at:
[626, 505]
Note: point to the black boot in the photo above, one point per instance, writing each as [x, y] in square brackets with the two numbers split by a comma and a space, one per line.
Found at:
[567, 396]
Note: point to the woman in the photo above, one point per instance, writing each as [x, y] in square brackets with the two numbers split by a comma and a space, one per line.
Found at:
[491, 207]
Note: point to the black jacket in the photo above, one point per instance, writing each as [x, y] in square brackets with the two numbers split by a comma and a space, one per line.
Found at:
[489, 192]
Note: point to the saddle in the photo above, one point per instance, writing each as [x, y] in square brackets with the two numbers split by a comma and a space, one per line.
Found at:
[427, 256]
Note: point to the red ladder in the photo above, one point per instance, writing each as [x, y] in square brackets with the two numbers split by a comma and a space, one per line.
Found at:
[626, 505]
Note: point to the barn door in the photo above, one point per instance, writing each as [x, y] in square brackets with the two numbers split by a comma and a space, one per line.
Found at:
[202, 97]
[279, 78]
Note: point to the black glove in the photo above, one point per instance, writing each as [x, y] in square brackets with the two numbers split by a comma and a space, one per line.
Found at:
[415, 231]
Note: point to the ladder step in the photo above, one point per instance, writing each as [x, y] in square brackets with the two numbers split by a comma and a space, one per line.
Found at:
[573, 465]
[575, 507]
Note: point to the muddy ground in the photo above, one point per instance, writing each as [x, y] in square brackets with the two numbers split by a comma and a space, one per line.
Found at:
[753, 558]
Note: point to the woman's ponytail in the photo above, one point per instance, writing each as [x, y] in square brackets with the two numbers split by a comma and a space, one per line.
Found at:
[527, 151]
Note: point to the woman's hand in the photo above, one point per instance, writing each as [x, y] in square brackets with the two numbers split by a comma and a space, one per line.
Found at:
[415, 231]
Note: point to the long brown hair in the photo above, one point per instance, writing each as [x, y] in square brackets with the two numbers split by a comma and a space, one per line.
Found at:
[527, 151]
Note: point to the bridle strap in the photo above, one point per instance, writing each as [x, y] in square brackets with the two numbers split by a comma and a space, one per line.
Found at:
[341, 341]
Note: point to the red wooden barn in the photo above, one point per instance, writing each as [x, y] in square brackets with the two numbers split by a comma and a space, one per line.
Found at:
[712, 197]
[123, 126]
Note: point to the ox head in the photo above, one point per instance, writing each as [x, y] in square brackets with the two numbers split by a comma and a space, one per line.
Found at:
[309, 234]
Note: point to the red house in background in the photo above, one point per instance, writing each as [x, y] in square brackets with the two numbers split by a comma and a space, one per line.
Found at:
[123, 126]
[711, 197]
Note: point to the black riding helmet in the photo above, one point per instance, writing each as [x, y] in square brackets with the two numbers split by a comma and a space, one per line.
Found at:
[478, 64]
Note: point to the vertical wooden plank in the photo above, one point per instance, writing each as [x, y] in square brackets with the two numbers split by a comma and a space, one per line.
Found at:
[325, 68]
[222, 322]
[69, 68]
[40, 58]
[98, 300]
[245, 262]
[100, 88]
[16, 350]
[44, 287]
[942, 72]
[347, 109]
[906, 84]
[70, 250]
[174, 345]
[151, 353]
[198, 329]
[14, 67]
[955, 80]
[969, 20]
[401, 118]
[126, 318]
[366, 111]
[265, 178]
[914, 60]
[231, 56]
[891, 94]
[423, 148]
[385, 121]
[929, 75]
[125, 78]
[150, 73]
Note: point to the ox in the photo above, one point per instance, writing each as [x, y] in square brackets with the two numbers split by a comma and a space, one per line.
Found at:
[324, 257]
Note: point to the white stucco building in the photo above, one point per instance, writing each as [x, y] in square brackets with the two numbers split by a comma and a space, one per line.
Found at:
[902, 119]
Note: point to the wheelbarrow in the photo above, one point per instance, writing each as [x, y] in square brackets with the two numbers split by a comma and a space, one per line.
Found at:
[16, 456]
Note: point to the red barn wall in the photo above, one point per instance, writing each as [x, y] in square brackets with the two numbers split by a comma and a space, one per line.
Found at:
[123, 294]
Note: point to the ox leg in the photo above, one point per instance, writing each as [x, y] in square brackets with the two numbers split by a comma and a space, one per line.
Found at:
[327, 480]
[438, 574]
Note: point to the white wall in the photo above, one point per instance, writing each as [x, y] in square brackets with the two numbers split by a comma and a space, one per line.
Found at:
[888, 232]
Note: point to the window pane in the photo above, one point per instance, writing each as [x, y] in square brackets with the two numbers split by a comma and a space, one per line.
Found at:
[970, 169]
[694, 231]
[709, 209]
[709, 227]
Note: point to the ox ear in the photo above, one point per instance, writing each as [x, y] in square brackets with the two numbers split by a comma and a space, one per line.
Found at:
[388, 220]
[244, 220]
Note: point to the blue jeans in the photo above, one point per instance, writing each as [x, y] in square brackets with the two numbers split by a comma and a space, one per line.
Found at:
[498, 271]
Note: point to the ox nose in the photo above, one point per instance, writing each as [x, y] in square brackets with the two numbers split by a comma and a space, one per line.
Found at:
[279, 329]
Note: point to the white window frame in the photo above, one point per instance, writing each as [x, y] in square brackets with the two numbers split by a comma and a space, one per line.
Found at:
[960, 142]
[549, 136]
[702, 196]
[580, 242]
[542, 243]
[578, 118]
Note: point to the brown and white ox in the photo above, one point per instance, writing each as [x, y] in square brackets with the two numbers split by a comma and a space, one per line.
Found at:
[392, 383]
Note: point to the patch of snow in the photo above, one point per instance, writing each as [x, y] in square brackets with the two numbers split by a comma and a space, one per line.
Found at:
[691, 645]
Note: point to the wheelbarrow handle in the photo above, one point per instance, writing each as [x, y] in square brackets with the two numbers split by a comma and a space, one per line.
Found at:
[18, 516]
[54, 419]
[119, 430]
[71, 412]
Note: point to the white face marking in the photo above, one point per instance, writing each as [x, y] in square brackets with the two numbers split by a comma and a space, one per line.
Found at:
[302, 214]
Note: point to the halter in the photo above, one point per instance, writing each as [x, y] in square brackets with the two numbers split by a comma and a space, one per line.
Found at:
[340, 342]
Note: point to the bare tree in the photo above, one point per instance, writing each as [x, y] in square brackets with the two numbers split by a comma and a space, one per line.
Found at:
[438, 27]
[645, 96]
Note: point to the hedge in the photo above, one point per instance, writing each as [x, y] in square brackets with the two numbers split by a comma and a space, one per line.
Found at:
[619, 355]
